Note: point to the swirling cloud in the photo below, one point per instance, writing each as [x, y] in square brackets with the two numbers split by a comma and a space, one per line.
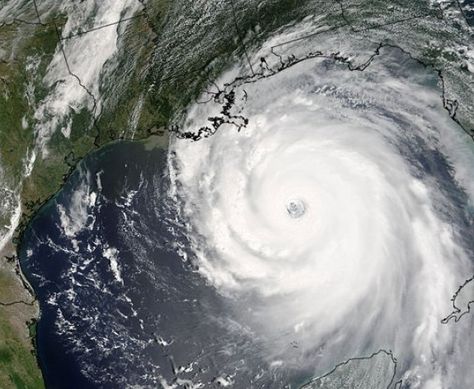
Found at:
[335, 218]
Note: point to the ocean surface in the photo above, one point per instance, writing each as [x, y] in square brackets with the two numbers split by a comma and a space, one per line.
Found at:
[121, 303]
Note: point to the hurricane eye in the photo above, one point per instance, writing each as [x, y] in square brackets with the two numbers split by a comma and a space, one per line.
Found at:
[296, 208]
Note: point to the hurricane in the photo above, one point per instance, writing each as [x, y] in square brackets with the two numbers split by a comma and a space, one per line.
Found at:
[237, 194]
[336, 217]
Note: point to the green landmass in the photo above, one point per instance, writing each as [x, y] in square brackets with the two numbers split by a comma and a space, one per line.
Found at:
[167, 57]
[18, 366]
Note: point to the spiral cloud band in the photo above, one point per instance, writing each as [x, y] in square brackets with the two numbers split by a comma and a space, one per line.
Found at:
[335, 220]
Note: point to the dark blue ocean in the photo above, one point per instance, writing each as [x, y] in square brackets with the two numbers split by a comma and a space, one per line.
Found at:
[121, 304]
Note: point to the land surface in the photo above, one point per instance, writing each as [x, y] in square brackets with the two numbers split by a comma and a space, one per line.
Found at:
[53, 112]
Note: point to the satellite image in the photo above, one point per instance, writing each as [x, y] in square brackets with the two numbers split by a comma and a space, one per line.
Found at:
[243, 194]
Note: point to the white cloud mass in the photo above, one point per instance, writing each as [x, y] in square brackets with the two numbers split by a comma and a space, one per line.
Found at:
[380, 248]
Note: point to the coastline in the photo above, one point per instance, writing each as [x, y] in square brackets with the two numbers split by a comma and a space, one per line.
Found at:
[18, 311]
